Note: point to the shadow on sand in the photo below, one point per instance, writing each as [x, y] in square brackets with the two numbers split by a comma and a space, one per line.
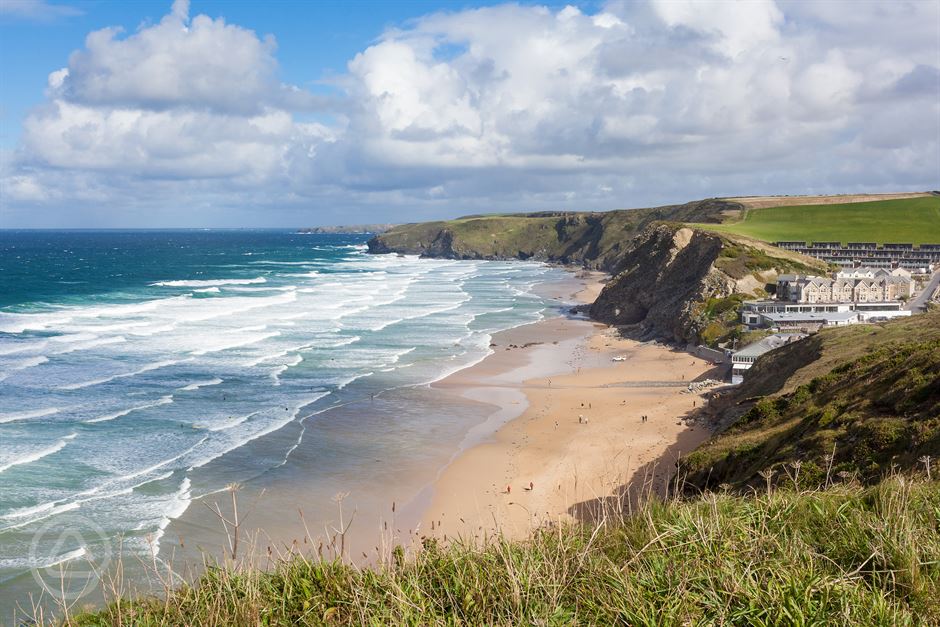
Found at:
[655, 479]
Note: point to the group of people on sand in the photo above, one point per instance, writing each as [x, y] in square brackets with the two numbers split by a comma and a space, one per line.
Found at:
[644, 418]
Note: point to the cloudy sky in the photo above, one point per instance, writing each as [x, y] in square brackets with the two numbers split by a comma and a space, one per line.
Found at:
[254, 114]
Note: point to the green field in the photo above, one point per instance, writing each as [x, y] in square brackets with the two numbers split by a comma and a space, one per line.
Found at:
[905, 220]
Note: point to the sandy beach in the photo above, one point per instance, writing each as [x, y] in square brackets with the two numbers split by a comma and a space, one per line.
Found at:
[515, 421]
[568, 431]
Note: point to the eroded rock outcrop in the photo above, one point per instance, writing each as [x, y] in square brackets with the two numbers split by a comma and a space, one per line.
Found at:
[667, 275]
[684, 285]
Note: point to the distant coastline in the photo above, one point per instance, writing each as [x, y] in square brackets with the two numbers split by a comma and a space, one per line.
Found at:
[353, 229]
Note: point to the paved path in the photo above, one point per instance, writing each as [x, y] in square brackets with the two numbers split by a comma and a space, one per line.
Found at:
[919, 304]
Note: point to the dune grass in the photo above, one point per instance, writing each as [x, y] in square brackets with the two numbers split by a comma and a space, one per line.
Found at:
[844, 555]
[903, 220]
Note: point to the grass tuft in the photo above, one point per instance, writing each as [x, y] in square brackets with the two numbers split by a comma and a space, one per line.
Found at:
[846, 555]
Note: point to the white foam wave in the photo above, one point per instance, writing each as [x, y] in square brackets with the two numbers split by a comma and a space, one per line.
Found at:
[23, 365]
[36, 455]
[283, 263]
[209, 290]
[117, 339]
[233, 422]
[281, 369]
[209, 282]
[272, 427]
[20, 348]
[271, 288]
[201, 384]
[177, 505]
[229, 344]
[147, 368]
[30, 563]
[26, 415]
[163, 400]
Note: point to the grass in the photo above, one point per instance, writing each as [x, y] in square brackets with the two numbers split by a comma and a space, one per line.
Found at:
[905, 220]
[859, 400]
[844, 555]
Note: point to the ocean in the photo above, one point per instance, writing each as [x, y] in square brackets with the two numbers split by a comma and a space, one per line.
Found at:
[143, 370]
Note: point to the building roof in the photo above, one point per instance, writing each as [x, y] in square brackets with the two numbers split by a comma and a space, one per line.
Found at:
[758, 348]
[820, 316]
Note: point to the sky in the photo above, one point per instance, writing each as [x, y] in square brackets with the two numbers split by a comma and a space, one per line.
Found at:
[282, 114]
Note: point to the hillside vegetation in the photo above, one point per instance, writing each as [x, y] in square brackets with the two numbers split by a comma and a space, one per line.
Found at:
[847, 401]
[592, 239]
[904, 220]
[848, 556]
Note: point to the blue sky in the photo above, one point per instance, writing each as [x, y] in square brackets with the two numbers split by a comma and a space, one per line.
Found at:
[299, 113]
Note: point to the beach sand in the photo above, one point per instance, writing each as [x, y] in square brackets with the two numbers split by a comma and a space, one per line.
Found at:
[543, 378]
[502, 432]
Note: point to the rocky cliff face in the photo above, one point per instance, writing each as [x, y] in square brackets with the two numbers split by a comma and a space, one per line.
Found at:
[667, 275]
[592, 240]
[684, 285]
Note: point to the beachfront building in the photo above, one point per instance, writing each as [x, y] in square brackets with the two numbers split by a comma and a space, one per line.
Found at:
[753, 312]
[809, 322]
[845, 288]
[742, 360]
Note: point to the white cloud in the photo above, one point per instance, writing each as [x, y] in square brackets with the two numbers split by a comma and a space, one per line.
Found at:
[202, 63]
[504, 107]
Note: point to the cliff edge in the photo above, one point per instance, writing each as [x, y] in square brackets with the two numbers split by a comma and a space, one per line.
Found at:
[594, 240]
[669, 281]
[684, 285]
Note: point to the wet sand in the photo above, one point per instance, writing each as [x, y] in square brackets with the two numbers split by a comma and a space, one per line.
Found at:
[567, 432]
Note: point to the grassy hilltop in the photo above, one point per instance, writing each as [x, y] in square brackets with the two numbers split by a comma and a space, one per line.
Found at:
[904, 220]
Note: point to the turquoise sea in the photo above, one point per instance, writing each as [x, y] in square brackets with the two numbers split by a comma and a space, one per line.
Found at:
[143, 370]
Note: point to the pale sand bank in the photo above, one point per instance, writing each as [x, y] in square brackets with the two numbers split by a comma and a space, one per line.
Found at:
[541, 390]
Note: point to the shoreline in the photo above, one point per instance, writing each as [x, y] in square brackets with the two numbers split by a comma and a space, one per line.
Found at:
[539, 380]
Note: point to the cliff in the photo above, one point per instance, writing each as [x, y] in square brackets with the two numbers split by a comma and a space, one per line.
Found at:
[595, 240]
[850, 402]
[684, 284]
[672, 282]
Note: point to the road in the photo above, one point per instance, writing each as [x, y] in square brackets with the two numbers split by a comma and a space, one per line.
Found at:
[919, 304]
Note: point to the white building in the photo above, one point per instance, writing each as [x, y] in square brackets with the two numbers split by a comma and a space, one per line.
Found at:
[867, 272]
[809, 322]
[742, 360]
[752, 311]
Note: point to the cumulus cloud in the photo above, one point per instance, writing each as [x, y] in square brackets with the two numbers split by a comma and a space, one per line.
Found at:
[508, 107]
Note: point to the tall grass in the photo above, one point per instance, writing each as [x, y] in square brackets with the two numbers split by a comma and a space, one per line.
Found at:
[848, 555]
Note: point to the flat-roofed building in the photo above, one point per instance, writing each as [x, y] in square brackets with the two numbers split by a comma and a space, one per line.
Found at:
[742, 360]
[809, 322]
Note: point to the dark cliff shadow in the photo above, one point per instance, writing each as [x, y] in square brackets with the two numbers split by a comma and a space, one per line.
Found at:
[653, 480]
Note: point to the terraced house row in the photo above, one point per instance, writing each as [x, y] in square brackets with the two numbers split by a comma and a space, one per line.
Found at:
[847, 287]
